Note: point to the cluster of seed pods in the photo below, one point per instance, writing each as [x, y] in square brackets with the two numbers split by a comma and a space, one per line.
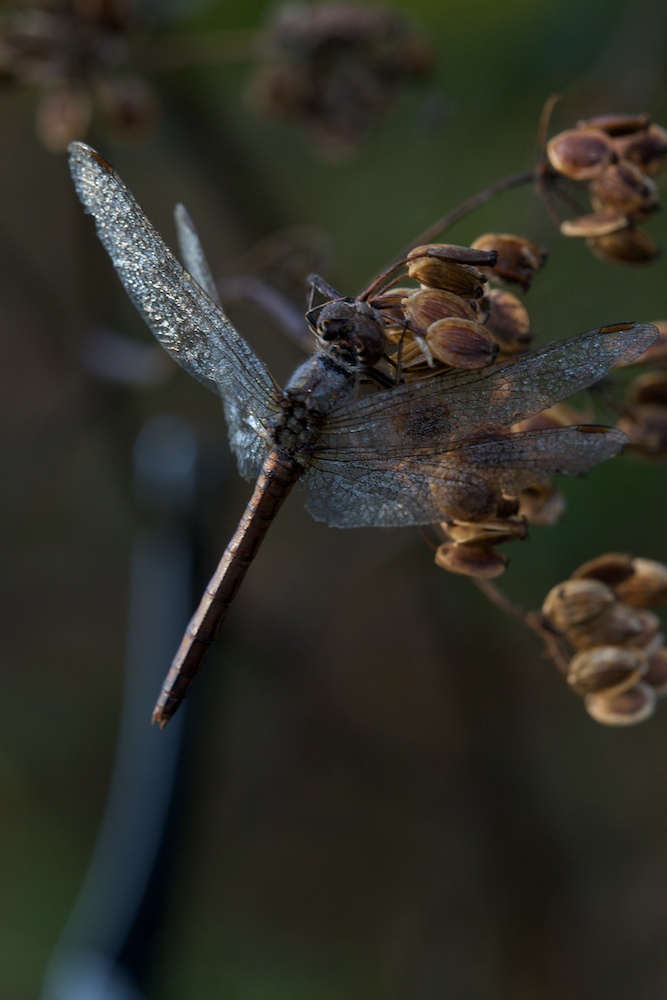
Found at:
[458, 317]
[644, 405]
[614, 646]
[616, 156]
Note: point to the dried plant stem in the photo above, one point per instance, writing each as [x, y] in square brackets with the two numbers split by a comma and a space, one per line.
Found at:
[470, 204]
[531, 619]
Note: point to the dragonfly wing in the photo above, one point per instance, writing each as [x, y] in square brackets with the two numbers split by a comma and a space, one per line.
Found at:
[439, 412]
[192, 254]
[354, 490]
[185, 320]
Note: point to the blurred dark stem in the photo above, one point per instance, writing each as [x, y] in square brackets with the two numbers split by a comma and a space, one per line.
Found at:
[531, 619]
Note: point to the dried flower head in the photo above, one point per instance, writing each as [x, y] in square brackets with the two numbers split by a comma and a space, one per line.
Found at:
[75, 53]
[616, 156]
[335, 68]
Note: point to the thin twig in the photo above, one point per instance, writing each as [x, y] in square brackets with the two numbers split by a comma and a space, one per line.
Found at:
[470, 204]
[531, 619]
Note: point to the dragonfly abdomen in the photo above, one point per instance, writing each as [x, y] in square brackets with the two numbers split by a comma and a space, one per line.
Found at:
[278, 476]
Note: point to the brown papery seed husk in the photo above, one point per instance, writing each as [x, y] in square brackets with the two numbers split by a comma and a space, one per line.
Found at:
[647, 585]
[625, 709]
[605, 668]
[627, 246]
[519, 259]
[597, 224]
[461, 343]
[508, 321]
[576, 601]
[456, 278]
[487, 532]
[617, 123]
[481, 561]
[649, 388]
[623, 187]
[542, 505]
[647, 149]
[427, 305]
[455, 254]
[618, 624]
[646, 428]
[656, 673]
[611, 568]
[580, 154]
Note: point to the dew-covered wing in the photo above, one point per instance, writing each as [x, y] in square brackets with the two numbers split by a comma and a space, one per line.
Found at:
[186, 321]
[435, 414]
[401, 490]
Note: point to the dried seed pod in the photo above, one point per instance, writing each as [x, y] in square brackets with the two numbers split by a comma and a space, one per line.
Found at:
[475, 256]
[646, 586]
[649, 388]
[427, 305]
[646, 428]
[480, 561]
[611, 669]
[624, 709]
[656, 671]
[612, 568]
[618, 624]
[598, 224]
[623, 187]
[507, 320]
[647, 149]
[580, 154]
[576, 602]
[457, 278]
[487, 532]
[461, 343]
[614, 123]
[519, 259]
[627, 246]
[542, 505]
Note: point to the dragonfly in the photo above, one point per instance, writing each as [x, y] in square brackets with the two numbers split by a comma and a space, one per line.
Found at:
[416, 453]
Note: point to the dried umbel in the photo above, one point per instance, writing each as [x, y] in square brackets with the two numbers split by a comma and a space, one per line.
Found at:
[615, 647]
[335, 68]
[616, 156]
[75, 53]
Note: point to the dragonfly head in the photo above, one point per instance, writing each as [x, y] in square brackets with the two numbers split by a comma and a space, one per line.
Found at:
[353, 331]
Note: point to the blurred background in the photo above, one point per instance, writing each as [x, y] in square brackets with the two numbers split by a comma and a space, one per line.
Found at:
[383, 791]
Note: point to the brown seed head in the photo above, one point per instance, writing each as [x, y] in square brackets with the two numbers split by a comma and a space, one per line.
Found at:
[623, 187]
[627, 246]
[460, 279]
[507, 320]
[427, 305]
[646, 428]
[617, 625]
[473, 256]
[486, 533]
[542, 505]
[597, 224]
[580, 154]
[656, 673]
[647, 149]
[611, 669]
[649, 388]
[519, 259]
[480, 561]
[624, 709]
[576, 602]
[611, 568]
[646, 586]
[461, 343]
[615, 123]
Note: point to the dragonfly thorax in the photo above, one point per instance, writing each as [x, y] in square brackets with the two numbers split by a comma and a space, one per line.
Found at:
[319, 384]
